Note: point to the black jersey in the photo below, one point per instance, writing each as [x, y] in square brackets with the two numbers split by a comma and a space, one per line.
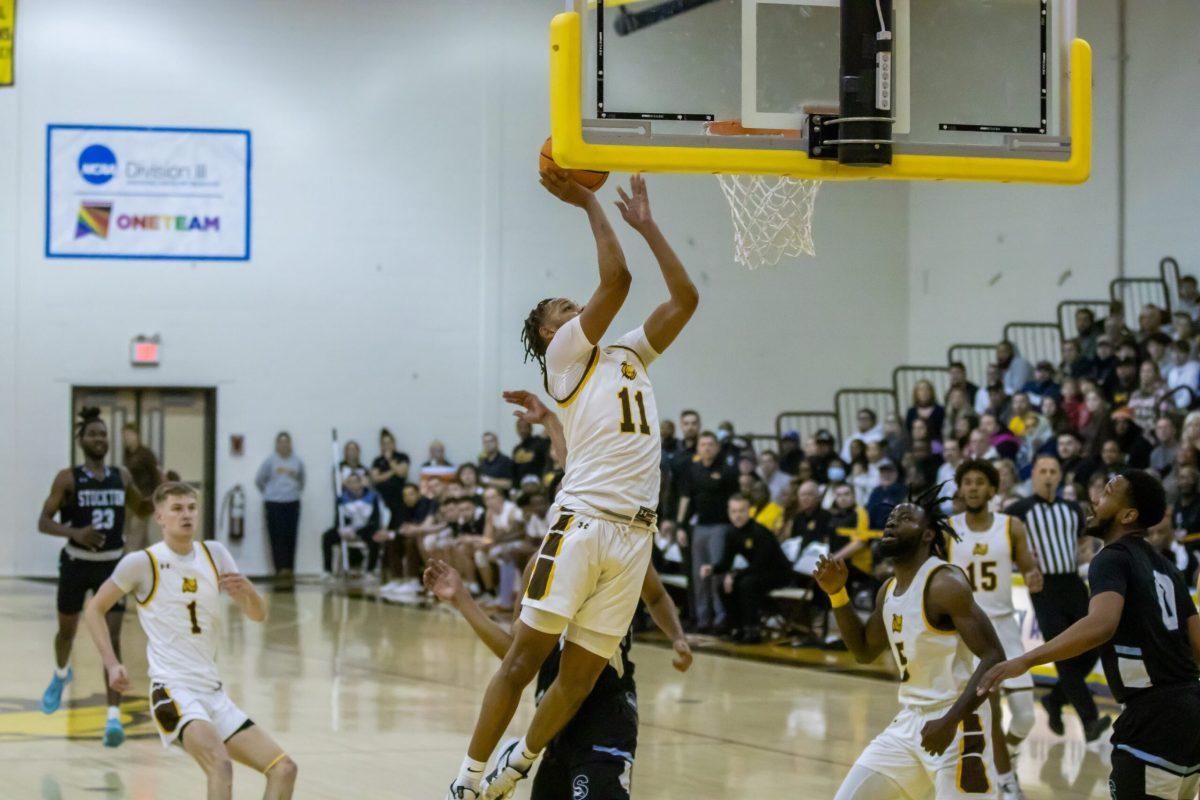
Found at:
[608, 717]
[100, 503]
[1151, 648]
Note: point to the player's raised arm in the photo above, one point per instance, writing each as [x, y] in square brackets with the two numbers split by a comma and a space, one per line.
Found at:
[534, 411]
[615, 279]
[950, 596]
[865, 642]
[446, 583]
[666, 321]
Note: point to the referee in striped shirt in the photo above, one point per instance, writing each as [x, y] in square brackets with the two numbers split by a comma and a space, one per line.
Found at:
[1055, 528]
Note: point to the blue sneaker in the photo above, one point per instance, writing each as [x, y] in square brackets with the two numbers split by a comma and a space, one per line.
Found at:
[52, 697]
[114, 733]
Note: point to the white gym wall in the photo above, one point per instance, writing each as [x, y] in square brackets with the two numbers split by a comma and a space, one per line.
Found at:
[400, 237]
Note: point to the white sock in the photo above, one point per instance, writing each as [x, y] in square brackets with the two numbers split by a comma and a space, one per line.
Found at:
[471, 772]
[1005, 778]
[523, 757]
[62, 672]
[114, 712]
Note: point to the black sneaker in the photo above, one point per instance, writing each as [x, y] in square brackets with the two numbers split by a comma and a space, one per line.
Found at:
[1055, 714]
[1094, 729]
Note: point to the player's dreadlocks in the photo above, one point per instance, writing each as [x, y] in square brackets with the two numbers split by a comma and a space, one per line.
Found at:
[531, 335]
[88, 415]
[930, 501]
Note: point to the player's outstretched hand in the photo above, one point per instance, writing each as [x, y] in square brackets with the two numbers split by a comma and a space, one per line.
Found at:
[683, 655]
[443, 580]
[635, 206]
[532, 409]
[558, 182]
[831, 574]
[997, 675]
[236, 585]
[937, 735]
[87, 537]
[118, 678]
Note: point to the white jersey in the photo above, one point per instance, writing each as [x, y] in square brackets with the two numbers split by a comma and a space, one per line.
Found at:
[610, 420]
[935, 665]
[179, 609]
[987, 558]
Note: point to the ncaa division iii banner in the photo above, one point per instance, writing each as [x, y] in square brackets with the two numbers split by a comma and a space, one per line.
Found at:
[147, 193]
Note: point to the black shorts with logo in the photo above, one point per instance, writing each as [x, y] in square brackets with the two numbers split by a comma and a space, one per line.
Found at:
[592, 759]
[1156, 744]
[77, 577]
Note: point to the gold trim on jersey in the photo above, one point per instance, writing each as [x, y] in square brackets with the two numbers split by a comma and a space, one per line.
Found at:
[153, 579]
[925, 598]
[211, 563]
[1008, 534]
[635, 353]
[587, 373]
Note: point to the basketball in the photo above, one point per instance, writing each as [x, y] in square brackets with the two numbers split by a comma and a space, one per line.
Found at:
[587, 178]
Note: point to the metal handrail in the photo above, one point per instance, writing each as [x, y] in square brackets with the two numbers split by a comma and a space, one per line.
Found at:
[937, 375]
[874, 398]
[1044, 342]
[1066, 314]
[1168, 270]
[975, 357]
[820, 419]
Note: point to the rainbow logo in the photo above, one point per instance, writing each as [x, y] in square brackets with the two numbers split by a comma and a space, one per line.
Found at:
[93, 220]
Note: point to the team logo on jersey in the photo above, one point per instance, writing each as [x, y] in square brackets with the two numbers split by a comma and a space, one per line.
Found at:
[981, 549]
[579, 789]
[627, 371]
[189, 585]
[897, 623]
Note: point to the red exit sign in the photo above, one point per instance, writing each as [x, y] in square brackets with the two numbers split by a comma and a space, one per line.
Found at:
[144, 352]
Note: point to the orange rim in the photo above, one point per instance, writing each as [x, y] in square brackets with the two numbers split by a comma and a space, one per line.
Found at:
[734, 127]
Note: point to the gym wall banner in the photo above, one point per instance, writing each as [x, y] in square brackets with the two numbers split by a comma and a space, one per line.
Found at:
[180, 194]
[8, 34]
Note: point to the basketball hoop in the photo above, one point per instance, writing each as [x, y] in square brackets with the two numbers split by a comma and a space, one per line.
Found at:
[772, 214]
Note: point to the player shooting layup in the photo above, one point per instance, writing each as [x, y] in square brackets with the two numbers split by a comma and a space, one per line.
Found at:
[590, 569]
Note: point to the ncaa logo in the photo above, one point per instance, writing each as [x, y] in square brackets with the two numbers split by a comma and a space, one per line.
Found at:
[97, 164]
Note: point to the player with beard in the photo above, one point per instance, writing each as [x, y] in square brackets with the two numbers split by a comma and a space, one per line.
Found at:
[89, 501]
[989, 545]
[927, 615]
[1145, 624]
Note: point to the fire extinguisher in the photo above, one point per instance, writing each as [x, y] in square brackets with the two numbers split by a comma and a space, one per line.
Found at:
[235, 512]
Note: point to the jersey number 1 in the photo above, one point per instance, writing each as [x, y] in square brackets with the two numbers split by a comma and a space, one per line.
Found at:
[627, 412]
[192, 613]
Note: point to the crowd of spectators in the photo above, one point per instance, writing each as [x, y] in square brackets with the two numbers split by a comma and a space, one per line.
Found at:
[736, 521]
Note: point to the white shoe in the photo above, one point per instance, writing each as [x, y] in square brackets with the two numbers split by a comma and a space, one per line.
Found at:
[501, 782]
[460, 792]
[390, 586]
[1011, 790]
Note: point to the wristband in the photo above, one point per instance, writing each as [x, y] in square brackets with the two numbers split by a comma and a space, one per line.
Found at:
[839, 598]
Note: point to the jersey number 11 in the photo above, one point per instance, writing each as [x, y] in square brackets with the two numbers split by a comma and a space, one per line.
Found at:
[627, 413]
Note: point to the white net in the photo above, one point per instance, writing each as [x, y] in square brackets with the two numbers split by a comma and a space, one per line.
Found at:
[772, 217]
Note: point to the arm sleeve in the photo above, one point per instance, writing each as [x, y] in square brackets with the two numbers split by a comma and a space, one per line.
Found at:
[1109, 572]
[221, 557]
[636, 341]
[134, 574]
[566, 359]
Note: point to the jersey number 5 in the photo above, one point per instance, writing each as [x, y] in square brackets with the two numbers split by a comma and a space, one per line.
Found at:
[627, 412]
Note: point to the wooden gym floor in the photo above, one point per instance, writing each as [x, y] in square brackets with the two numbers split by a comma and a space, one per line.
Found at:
[376, 701]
